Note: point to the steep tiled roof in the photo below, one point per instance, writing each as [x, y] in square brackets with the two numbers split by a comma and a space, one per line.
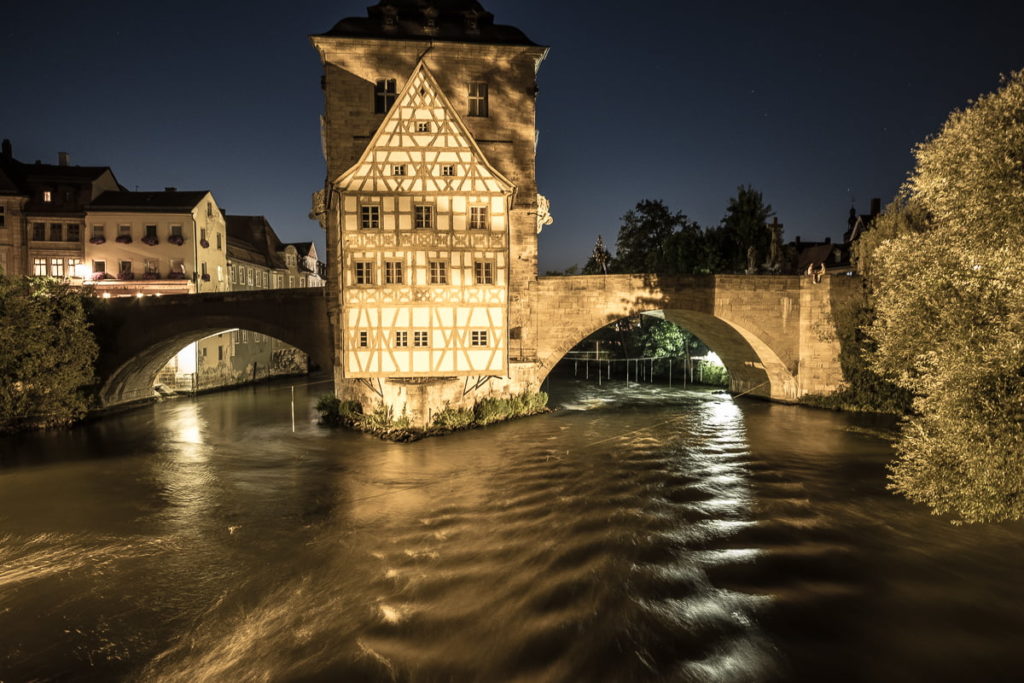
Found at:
[152, 202]
[251, 239]
[463, 21]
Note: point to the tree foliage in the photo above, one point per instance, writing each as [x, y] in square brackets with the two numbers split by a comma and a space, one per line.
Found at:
[744, 225]
[644, 235]
[46, 353]
[950, 314]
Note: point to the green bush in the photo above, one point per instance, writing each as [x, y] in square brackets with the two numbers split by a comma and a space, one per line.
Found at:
[452, 419]
[333, 411]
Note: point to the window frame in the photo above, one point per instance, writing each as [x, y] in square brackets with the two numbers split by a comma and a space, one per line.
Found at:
[488, 268]
[401, 339]
[394, 272]
[362, 273]
[40, 266]
[478, 338]
[423, 217]
[421, 339]
[369, 216]
[478, 217]
[477, 97]
[385, 92]
[437, 271]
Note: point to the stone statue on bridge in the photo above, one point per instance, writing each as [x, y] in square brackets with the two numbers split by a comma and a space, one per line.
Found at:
[751, 260]
[774, 262]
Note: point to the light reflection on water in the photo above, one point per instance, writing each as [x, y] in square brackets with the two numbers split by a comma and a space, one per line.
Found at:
[633, 534]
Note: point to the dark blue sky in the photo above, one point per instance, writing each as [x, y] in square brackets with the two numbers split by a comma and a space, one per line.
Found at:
[812, 103]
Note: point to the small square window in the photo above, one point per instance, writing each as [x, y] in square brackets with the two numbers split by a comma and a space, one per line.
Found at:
[398, 170]
[424, 216]
[483, 272]
[364, 272]
[369, 217]
[448, 170]
[364, 339]
[393, 274]
[423, 127]
[438, 272]
[478, 218]
[419, 339]
[478, 338]
[401, 339]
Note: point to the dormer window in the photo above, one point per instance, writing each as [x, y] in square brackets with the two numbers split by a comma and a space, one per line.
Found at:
[384, 94]
[47, 196]
[478, 99]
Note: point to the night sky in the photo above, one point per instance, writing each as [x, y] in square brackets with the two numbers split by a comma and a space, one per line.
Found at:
[812, 104]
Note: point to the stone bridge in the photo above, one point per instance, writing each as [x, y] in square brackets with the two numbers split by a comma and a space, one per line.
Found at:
[137, 336]
[773, 333]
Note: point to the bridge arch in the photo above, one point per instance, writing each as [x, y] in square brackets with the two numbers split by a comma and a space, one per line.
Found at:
[138, 336]
[753, 324]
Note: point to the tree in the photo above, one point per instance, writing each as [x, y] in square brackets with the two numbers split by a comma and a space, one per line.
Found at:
[599, 259]
[644, 236]
[744, 223]
[46, 353]
[950, 315]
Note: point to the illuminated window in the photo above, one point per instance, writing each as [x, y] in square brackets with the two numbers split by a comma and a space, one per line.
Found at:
[364, 339]
[393, 274]
[74, 232]
[73, 267]
[56, 232]
[478, 99]
[3, 217]
[424, 216]
[39, 266]
[248, 275]
[478, 218]
[478, 338]
[369, 217]
[39, 232]
[448, 170]
[398, 169]
[124, 268]
[47, 196]
[364, 272]
[483, 272]
[57, 267]
[178, 266]
[438, 272]
[423, 127]
[384, 93]
[419, 339]
[152, 266]
[99, 266]
[401, 339]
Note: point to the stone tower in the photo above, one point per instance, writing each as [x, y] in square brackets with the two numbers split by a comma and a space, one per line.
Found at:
[430, 205]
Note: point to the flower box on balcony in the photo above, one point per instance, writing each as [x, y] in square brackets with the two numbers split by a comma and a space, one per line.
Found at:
[102, 276]
[126, 276]
[176, 239]
[151, 276]
[151, 240]
[206, 277]
[204, 244]
[176, 276]
[97, 240]
[123, 239]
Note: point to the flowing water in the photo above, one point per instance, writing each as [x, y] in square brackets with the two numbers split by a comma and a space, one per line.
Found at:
[640, 534]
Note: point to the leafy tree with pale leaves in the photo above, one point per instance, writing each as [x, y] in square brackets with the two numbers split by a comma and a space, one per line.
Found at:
[950, 314]
[46, 353]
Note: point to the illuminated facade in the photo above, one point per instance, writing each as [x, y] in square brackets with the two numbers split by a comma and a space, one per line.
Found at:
[430, 205]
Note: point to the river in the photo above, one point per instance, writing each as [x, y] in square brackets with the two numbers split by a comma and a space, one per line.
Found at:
[630, 535]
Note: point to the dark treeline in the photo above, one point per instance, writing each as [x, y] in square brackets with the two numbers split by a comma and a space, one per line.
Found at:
[653, 238]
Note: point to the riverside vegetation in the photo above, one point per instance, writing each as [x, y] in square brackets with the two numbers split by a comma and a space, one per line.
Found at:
[384, 423]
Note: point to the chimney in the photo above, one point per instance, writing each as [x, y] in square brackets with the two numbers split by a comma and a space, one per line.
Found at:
[798, 240]
[5, 151]
[876, 206]
[170, 189]
[63, 158]
[828, 240]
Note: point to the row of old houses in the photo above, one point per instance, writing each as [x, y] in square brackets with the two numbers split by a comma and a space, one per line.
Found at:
[79, 224]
